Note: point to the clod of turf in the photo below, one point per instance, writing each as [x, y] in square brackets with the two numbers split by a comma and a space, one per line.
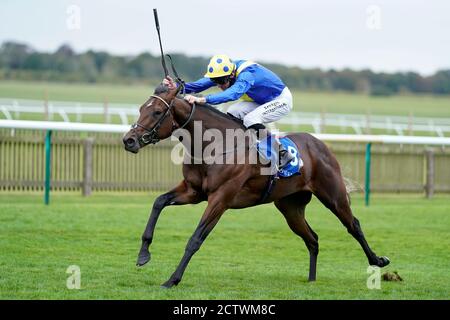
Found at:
[389, 276]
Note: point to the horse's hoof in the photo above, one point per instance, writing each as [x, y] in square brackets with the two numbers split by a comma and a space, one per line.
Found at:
[169, 284]
[383, 262]
[143, 258]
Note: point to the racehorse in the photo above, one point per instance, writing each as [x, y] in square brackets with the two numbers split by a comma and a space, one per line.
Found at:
[236, 186]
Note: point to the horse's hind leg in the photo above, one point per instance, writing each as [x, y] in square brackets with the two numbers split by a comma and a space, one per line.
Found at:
[332, 193]
[293, 209]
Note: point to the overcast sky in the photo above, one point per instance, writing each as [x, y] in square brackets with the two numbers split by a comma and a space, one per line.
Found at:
[384, 35]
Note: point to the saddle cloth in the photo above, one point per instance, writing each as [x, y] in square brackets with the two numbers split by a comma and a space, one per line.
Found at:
[267, 149]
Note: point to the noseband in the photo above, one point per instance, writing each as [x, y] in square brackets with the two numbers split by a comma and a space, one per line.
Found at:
[151, 135]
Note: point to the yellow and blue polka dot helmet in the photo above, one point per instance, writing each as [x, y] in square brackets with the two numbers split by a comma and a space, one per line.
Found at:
[219, 66]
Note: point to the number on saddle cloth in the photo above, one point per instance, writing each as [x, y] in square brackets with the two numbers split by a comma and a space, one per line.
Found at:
[267, 149]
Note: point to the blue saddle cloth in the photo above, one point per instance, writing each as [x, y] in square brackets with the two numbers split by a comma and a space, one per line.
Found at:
[267, 149]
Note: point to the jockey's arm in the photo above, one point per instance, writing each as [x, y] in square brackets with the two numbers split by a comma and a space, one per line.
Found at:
[199, 85]
[190, 87]
[238, 89]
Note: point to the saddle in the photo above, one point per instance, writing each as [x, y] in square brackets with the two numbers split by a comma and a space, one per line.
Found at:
[267, 148]
[268, 151]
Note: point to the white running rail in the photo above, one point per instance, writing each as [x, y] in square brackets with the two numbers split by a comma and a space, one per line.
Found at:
[117, 128]
[13, 108]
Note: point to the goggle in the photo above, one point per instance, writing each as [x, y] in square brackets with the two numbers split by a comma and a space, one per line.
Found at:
[220, 80]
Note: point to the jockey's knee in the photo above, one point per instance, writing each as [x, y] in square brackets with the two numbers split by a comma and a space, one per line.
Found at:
[290, 106]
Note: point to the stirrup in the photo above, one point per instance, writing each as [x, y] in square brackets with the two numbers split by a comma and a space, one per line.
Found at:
[285, 158]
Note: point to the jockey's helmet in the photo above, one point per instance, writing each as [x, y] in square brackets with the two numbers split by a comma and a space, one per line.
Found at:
[219, 66]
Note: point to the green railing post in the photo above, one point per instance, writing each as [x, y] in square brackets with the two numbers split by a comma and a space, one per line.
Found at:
[48, 154]
[367, 181]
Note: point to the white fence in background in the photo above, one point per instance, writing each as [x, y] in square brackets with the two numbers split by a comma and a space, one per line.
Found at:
[104, 165]
[12, 109]
[360, 123]
[118, 128]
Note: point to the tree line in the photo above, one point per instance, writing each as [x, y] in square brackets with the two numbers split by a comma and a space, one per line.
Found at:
[19, 61]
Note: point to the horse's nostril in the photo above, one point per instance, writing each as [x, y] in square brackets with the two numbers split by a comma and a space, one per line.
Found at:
[130, 142]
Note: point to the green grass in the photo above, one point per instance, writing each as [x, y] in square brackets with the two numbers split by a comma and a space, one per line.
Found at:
[401, 105]
[251, 254]
[417, 105]
[75, 92]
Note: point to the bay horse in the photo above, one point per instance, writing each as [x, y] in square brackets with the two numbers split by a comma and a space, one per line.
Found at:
[236, 186]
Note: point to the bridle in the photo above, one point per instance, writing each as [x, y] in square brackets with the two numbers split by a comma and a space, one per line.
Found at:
[151, 135]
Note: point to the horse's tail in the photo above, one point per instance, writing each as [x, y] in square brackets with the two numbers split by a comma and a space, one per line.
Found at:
[350, 186]
[328, 157]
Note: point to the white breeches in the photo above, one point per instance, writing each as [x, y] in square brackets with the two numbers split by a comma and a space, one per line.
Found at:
[251, 112]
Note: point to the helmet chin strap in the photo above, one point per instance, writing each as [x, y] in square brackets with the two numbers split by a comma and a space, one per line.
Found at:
[232, 78]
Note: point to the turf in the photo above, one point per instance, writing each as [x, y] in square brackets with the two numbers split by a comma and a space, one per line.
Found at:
[334, 102]
[400, 105]
[251, 254]
[79, 92]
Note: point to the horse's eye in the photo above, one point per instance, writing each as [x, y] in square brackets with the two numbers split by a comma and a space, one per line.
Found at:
[157, 113]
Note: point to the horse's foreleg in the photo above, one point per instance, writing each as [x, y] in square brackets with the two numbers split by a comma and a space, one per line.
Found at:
[209, 219]
[182, 194]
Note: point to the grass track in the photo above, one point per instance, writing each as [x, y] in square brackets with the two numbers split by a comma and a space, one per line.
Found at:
[418, 105]
[251, 254]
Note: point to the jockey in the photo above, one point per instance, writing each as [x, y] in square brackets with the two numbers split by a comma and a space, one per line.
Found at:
[264, 96]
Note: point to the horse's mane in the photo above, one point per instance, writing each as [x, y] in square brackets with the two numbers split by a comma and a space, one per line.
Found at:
[226, 116]
[161, 88]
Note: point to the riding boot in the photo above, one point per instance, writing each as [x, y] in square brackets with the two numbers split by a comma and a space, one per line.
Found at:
[285, 157]
[259, 128]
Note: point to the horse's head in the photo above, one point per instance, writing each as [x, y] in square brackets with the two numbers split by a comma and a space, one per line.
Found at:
[155, 120]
